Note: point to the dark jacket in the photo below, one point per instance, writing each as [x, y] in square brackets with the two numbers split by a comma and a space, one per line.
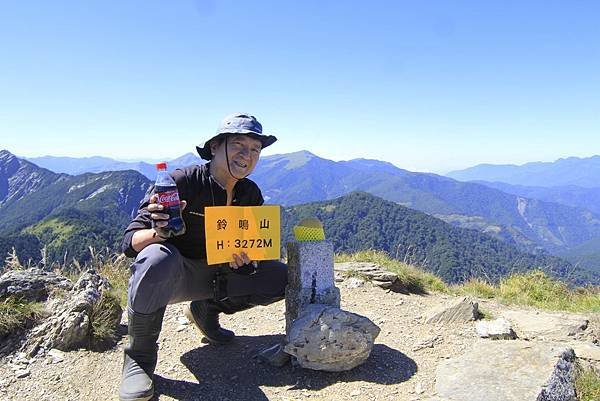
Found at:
[199, 189]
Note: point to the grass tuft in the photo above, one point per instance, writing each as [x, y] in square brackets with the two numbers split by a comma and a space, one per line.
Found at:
[104, 318]
[17, 314]
[587, 385]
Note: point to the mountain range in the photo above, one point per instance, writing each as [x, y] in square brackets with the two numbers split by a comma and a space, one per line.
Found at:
[530, 222]
[531, 218]
[571, 171]
[68, 214]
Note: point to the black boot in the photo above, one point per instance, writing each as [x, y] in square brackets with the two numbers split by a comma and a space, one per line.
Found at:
[205, 316]
[140, 356]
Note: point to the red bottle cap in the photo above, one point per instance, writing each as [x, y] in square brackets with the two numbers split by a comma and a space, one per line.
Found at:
[161, 166]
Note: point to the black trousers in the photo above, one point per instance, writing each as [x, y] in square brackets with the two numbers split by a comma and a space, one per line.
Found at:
[160, 275]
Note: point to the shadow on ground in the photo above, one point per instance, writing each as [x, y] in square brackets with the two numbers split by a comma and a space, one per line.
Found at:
[233, 372]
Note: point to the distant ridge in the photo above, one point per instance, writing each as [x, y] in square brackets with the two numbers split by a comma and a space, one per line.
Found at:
[531, 224]
[360, 221]
[582, 172]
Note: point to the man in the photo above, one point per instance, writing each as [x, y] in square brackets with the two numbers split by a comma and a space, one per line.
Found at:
[173, 270]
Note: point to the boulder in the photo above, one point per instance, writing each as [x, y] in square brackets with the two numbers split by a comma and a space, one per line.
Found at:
[32, 284]
[509, 371]
[499, 329]
[546, 325]
[69, 325]
[330, 339]
[461, 311]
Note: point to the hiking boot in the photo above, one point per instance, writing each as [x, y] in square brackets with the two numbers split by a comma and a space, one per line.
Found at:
[205, 316]
[141, 355]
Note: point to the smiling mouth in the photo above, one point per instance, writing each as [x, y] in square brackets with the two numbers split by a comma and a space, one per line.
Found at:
[240, 164]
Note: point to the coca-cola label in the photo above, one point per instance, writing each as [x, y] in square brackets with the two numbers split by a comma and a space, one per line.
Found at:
[169, 198]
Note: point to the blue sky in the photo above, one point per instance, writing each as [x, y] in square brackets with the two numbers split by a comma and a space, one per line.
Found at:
[426, 85]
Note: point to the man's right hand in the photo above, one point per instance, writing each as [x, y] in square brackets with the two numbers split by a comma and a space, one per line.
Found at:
[159, 218]
[145, 237]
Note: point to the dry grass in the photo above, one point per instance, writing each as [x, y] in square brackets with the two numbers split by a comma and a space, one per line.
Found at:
[17, 314]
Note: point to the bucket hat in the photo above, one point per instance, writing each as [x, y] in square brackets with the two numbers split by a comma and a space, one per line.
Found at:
[240, 124]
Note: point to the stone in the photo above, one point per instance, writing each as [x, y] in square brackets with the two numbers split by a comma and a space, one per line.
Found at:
[20, 374]
[32, 284]
[355, 282]
[499, 329]
[509, 371]
[462, 311]
[547, 325]
[69, 325]
[56, 355]
[589, 351]
[427, 343]
[330, 339]
[274, 356]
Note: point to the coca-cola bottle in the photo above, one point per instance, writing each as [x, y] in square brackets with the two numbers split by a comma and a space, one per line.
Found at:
[168, 197]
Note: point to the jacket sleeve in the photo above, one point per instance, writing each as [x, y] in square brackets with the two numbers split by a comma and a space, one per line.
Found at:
[140, 221]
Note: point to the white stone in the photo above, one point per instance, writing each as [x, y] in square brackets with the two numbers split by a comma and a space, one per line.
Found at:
[330, 339]
[355, 282]
[499, 329]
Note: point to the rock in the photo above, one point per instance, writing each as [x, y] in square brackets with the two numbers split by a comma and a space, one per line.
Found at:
[19, 374]
[586, 351]
[56, 355]
[428, 343]
[464, 310]
[509, 371]
[551, 326]
[370, 271]
[499, 329]
[274, 356]
[32, 284]
[328, 338]
[355, 282]
[69, 326]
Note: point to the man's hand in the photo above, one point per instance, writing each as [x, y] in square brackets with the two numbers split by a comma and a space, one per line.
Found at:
[239, 260]
[157, 214]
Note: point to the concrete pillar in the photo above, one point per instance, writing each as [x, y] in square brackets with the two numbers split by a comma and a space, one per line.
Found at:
[310, 278]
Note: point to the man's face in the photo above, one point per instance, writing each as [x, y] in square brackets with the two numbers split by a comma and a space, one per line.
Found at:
[243, 152]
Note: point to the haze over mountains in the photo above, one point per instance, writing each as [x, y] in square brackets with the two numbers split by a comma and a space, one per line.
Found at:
[531, 219]
[571, 171]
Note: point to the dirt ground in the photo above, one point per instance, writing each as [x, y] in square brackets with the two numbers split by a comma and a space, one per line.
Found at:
[402, 364]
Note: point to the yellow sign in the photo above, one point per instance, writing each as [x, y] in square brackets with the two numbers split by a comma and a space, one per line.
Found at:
[254, 230]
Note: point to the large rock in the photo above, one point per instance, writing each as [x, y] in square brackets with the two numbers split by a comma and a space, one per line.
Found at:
[328, 338]
[461, 311]
[546, 325]
[509, 371]
[69, 325]
[370, 271]
[32, 284]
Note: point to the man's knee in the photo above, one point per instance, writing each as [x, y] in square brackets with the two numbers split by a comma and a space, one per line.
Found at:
[154, 276]
[156, 263]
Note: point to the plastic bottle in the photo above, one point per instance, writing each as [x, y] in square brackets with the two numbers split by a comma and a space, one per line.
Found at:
[168, 197]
